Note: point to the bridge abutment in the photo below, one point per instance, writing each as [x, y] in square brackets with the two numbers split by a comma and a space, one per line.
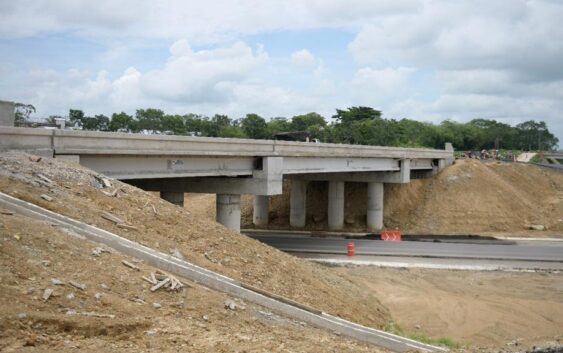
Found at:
[228, 211]
[375, 206]
[298, 203]
[335, 205]
[261, 209]
[177, 198]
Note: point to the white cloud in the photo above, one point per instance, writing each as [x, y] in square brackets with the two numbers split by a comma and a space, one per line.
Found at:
[303, 60]
[376, 87]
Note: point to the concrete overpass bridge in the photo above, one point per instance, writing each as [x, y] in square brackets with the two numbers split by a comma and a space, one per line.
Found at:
[174, 165]
[555, 158]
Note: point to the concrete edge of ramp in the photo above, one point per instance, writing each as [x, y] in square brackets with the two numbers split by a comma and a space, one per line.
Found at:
[217, 281]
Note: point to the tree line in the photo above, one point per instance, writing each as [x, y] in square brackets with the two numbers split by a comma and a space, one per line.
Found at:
[354, 125]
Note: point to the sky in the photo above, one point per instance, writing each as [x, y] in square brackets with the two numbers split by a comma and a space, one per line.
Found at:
[421, 59]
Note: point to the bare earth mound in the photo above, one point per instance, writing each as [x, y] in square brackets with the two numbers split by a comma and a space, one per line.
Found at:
[75, 192]
[468, 197]
[117, 312]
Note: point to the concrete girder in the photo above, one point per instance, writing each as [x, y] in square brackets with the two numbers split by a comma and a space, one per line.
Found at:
[265, 181]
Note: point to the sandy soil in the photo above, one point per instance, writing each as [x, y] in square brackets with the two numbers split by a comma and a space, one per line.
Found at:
[116, 311]
[469, 197]
[483, 310]
[163, 226]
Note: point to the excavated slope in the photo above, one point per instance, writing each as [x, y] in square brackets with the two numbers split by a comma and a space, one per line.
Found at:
[76, 193]
[469, 197]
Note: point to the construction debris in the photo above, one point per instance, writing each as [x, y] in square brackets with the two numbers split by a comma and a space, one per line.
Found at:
[118, 221]
[130, 265]
[46, 197]
[57, 282]
[113, 193]
[103, 181]
[47, 294]
[77, 285]
[112, 218]
[127, 226]
[162, 279]
[99, 250]
[44, 178]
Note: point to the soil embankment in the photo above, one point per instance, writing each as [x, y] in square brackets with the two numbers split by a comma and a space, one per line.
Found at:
[78, 193]
[469, 197]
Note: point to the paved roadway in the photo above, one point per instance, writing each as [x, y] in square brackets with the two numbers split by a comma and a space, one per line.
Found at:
[534, 251]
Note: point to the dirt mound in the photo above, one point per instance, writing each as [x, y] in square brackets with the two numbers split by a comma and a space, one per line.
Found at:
[76, 192]
[117, 312]
[469, 197]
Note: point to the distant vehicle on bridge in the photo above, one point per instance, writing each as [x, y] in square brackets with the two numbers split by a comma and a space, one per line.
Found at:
[302, 136]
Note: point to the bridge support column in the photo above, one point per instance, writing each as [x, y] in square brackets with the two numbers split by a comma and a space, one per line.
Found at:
[375, 206]
[335, 205]
[261, 210]
[297, 203]
[228, 211]
[177, 198]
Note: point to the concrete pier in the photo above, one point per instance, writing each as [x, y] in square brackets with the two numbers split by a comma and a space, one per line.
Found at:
[297, 203]
[228, 211]
[177, 198]
[335, 205]
[261, 210]
[375, 206]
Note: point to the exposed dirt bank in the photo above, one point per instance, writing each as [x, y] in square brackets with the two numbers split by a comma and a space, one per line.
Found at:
[77, 193]
[469, 197]
[117, 312]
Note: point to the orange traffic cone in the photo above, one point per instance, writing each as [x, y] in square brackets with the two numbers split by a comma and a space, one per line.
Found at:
[351, 248]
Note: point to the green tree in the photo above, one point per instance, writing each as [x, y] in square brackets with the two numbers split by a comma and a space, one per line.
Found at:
[353, 114]
[122, 122]
[76, 117]
[22, 112]
[149, 119]
[254, 126]
[277, 125]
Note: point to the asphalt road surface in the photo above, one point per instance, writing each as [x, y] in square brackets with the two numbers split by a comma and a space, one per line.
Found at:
[538, 251]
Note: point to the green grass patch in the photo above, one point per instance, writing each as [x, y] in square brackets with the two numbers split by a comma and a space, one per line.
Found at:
[394, 328]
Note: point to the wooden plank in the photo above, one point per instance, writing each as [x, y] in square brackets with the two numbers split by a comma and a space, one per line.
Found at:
[160, 284]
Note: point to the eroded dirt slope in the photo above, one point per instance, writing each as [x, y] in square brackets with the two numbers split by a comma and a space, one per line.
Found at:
[75, 192]
[117, 312]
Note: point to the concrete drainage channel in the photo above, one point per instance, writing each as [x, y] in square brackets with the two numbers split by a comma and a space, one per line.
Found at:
[219, 282]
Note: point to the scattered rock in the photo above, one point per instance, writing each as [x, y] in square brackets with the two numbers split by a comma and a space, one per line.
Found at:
[57, 282]
[205, 318]
[71, 312]
[6, 212]
[98, 296]
[47, 294]
[77, 285]
[156, 305]
[22, 316]
[231, 305]
[46, 197]
[539, 227]
[70, 296]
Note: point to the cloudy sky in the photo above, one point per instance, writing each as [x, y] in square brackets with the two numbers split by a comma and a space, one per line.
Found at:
[422, 59]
